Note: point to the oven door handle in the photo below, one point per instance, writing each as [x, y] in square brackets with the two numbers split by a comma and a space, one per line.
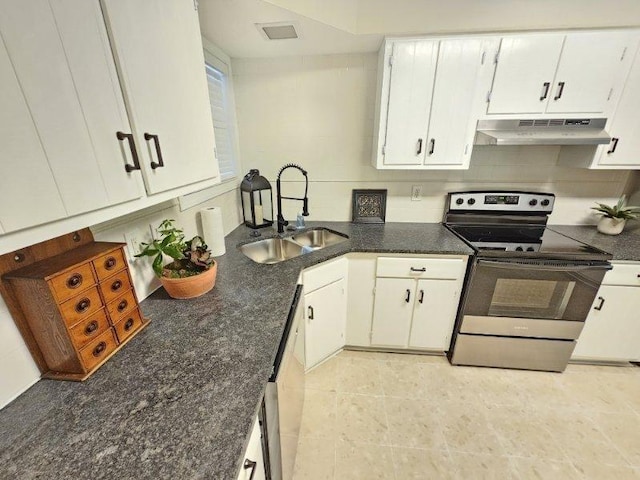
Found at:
[544, 266]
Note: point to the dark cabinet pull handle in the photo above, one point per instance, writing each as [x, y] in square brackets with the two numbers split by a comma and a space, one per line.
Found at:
[134, 153]
[74, 281]
[310, 312]
[83, 305]
[249, 464]
[421, 299]
[423, 269]
[432, 146]
[91, 328]
[560, 90]
[128, 324]
[419, 150]
[614, 146]
[109, 263]
[545, 90]
[600, 305]
[101, 347]
[156, 142]
[408, 297]
[122, 305]
[115, 286]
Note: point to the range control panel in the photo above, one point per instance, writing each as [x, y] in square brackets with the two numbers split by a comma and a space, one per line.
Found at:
[491, 201]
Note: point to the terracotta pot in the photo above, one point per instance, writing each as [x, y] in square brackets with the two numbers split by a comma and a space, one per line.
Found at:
[191, 287]
[611, 226]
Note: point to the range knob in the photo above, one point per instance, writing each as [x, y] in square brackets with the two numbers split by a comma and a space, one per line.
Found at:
[459, 201]
[471, 201]
[544, 202]
[519, 249]
[533, 202]
[530, 249]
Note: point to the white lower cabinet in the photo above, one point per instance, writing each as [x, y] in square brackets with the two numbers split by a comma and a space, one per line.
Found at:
[612, 329]
[415, 311]
[253, 461]
[325, 311]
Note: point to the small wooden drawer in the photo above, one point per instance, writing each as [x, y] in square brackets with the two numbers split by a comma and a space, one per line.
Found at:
[119, 307]
[115, 286]
[99, 349]
[623, 274]
[128, 325]
[69, 283]
[407, 267]
[81, 306]
[109, 264]
[88, 329]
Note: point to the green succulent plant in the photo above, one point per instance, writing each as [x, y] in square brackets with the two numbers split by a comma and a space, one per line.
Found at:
[190, 257]
[621, 210]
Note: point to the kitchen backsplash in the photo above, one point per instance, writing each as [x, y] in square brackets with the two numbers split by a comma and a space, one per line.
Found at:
[319, 111]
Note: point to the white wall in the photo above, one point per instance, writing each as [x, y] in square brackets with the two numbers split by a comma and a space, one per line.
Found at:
[17, 369]
[318, 111]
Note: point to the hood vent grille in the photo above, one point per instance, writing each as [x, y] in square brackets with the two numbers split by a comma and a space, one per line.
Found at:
[557, 131]
[557, 122]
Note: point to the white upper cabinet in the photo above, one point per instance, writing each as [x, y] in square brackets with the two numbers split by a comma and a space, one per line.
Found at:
[576, 73]
[158, 50]
[428, 101]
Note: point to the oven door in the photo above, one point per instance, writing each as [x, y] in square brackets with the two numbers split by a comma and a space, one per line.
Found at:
[534, 289]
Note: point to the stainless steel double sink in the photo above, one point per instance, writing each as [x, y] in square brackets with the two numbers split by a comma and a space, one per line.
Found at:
[276, 250]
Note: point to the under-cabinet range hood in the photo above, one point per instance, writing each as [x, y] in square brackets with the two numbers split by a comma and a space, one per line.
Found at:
[581, 131]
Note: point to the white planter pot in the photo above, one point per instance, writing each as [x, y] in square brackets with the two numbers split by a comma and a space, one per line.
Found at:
[611, 226]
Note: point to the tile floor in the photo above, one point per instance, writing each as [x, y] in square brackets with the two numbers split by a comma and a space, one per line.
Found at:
[391, 416]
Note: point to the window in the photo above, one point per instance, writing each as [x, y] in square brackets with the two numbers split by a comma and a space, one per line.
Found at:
[217, 80]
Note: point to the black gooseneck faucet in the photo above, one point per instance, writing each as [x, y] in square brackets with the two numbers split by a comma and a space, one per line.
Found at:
[305, 201]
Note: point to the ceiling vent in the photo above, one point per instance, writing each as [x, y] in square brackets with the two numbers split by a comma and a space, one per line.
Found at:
[278, 31]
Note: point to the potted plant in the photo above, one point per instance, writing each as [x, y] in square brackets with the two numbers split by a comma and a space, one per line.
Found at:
[193, 270]
[614, 218]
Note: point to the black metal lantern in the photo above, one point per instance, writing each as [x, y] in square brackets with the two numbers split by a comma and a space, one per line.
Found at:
[257, 200]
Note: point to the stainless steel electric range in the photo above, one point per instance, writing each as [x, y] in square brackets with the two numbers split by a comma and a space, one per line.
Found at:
[528, 290]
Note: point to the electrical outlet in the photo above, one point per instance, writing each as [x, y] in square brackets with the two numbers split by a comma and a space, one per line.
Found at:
[134, 238]
[416, 193]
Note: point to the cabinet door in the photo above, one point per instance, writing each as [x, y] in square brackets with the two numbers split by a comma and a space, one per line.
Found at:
[449, 139]
[435, 314]
[325, 318]
[158, 50]
[625, 126]
[587, 71]
[525, 72]
[253, 460]
[410, 90]
[392, 311]
[34, 46]
[612, 329]
[30, 194]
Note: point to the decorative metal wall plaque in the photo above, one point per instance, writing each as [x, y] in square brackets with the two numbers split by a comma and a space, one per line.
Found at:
[369, 206]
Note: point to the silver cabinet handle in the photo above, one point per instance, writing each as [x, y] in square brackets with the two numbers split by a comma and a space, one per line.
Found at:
[250, 464]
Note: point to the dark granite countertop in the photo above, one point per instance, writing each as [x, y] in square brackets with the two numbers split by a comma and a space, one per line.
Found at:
[178, 401]
[625, 246]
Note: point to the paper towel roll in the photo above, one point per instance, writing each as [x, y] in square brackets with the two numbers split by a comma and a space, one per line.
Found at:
[213, 230]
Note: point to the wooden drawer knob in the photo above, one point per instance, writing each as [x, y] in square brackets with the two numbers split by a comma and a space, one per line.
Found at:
[109, 263]
[101, 347]
[115, 286]
[74, 281]
[122, 305]
[83, 305]
[91, 328]
[128, 324]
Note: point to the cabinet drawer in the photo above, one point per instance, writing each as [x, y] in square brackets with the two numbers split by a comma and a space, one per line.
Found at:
[324, 274]
[99, 349]
[109, 264]
[451, 268]
[120, 306]
[128, 325]
[81, 306]
[114, 286]
[88, 329]
[623, 274]
[71, 282]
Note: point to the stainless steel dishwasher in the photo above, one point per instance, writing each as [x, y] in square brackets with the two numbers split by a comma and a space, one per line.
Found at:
[281, 412]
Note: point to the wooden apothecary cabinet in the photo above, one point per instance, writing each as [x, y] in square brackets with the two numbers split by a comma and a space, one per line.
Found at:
[80, 307]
